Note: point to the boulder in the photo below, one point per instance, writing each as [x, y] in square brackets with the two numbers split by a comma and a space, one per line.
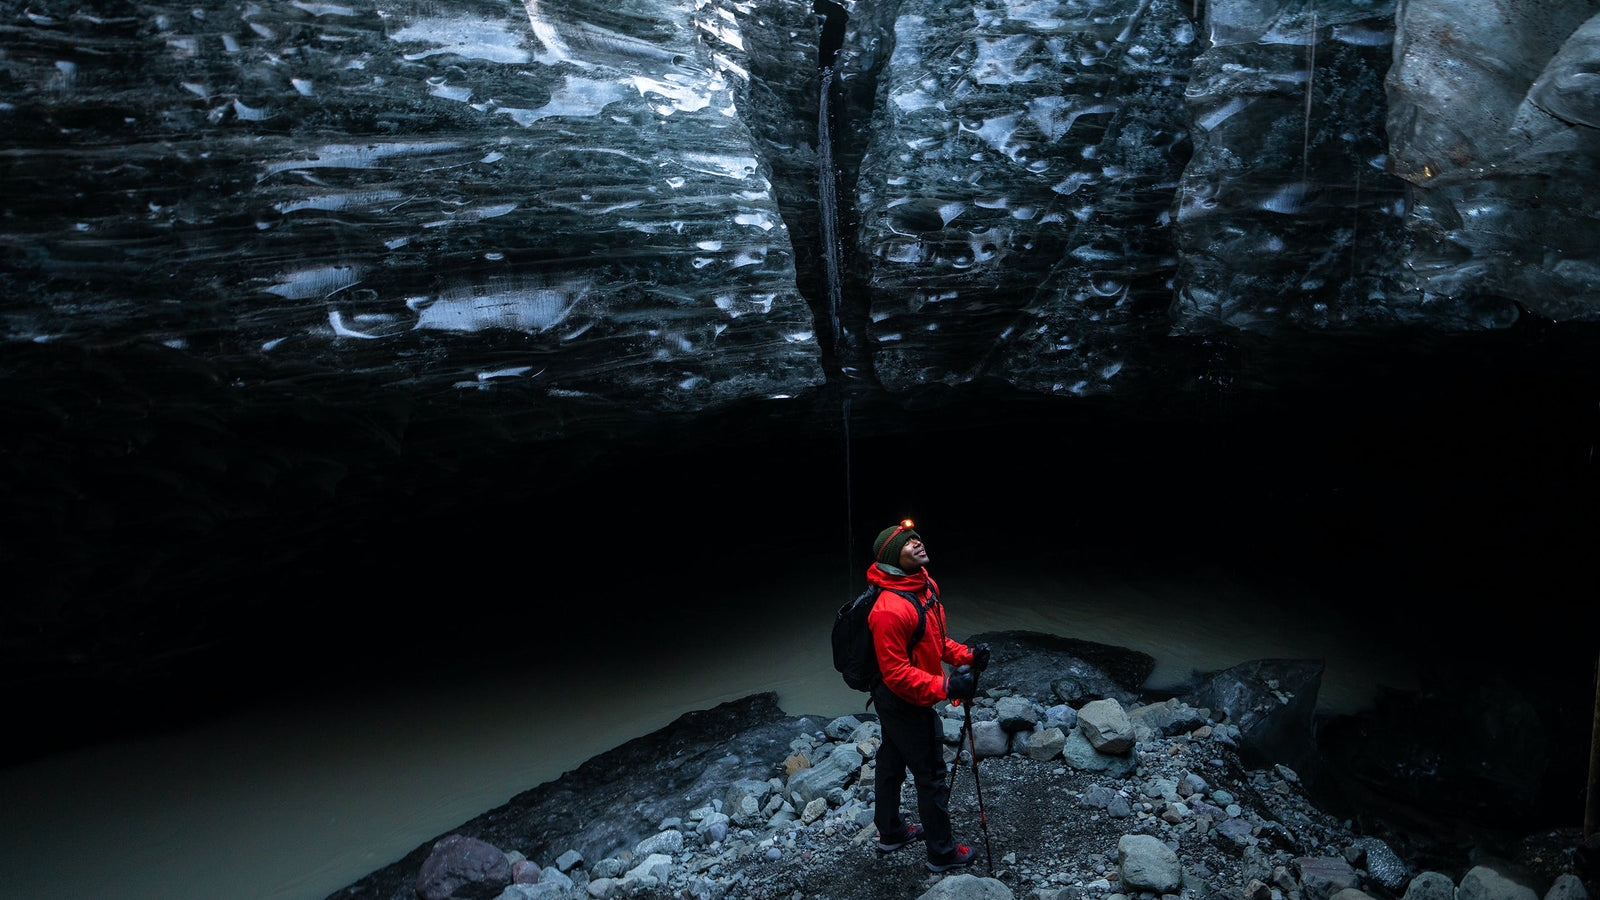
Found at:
[1567, 887]
[1016, 714]
[525, 871]
[1049, 669]
[1271, 702]
[1382, 863]
[1081, 755]
[842, 728]
[1484, 883]
[463, 868]
[1106, 727]
[990, 739]
[1169, 717]
[669, 841]
[832, 773]
[544, 890]
[655, 865]
[1323, 876]
[743, 799]
[1061, 716]
[1430, 886]
[1044, 744]
[1147, 864]
[713, 827]
[967, 886]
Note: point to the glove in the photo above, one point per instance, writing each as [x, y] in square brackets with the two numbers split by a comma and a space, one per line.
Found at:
[980, 658]
[963, 685]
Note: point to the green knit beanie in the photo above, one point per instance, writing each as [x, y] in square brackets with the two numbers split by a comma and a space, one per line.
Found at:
[886, 548]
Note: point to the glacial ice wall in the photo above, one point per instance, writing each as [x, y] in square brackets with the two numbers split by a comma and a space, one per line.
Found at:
[1287, 216]
[1495, 124]
[558, 197]
[570, 199]
[1015, 198]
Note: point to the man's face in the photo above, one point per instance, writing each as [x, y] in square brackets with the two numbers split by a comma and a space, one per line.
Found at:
[913, 555]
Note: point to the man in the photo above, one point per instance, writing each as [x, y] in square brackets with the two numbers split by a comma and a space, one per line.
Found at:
[913, 680]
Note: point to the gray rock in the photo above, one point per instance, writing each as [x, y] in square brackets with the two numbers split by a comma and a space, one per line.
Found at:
[1484, 883]
[656, 865]
[1106, 726]
[1351, 894]
[837, 770]
[713, 827]
[1016, 714]
[814, 810]
[1081, 755]
[967, 886]
[1097, 797]
[842, 728]
[1045, 744]
[951, 728]
[555, 885]
[558, 880]
[667, 842]
[1061, 716]
[990, 739]
[1148, 864]
[740, 789]
[1162, 788]
[1567, 887]
[465, 868]
[568, 860]
[1049, 669]
[1272, 702]
[1323, 876]
[525, 871]
[604, 888]
[1383, 864]
[540, 891]
[1119, 807]
[1430, 886]
[868, 731]
[610, 867]
[1240, 831]
[1168, 717]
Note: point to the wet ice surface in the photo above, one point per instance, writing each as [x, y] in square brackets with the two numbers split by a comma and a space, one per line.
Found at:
[1481, 130]
[1015, 186]
[310, 175]
[1286, 212]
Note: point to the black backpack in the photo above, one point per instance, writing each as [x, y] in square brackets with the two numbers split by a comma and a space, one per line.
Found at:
[853, 654]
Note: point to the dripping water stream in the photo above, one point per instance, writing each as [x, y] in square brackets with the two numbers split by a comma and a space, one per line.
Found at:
[832, 38]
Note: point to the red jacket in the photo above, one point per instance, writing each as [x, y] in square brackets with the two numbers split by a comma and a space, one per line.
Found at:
[918, 678]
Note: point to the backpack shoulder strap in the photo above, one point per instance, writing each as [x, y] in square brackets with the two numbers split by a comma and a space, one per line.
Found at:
[922, 616]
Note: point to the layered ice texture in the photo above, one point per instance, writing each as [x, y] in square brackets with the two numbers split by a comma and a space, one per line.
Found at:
[619, 199]
[1016, 194]
[568, 191]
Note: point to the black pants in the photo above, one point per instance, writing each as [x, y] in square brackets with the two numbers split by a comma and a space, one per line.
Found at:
[912, 739]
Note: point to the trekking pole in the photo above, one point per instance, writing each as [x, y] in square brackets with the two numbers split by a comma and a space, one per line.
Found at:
[977, 784]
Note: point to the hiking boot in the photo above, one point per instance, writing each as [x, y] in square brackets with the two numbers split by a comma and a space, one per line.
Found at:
[963, 856]
[913, 833]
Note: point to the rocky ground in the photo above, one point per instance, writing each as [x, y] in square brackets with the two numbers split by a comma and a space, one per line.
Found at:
[1108, 799]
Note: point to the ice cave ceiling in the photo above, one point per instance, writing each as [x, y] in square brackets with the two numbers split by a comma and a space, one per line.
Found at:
[248, 248]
